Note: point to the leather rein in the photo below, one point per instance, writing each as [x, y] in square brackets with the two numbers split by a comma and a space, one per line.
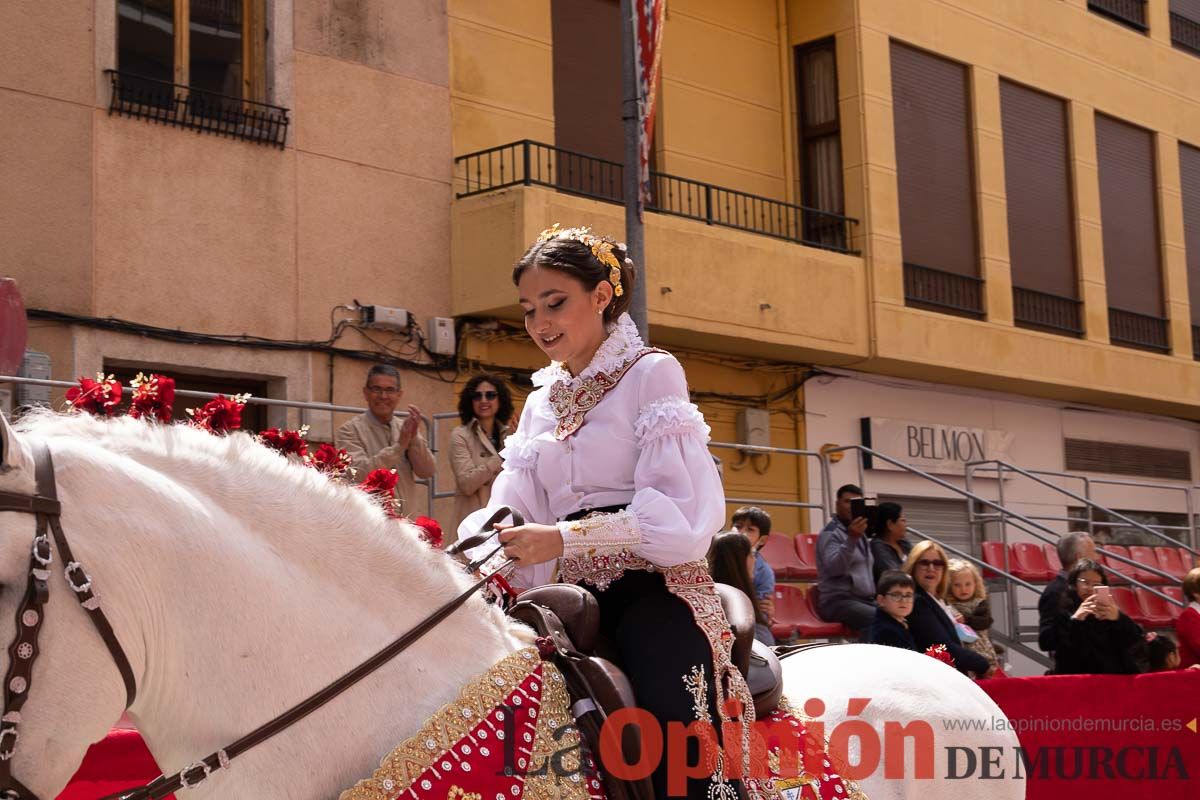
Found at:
[30, 612]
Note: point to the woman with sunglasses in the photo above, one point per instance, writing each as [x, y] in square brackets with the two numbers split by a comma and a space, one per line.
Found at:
[932, 622]
[486, 409]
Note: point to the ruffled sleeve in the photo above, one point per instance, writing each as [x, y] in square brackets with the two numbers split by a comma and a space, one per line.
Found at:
[678, 501]
[518, 488]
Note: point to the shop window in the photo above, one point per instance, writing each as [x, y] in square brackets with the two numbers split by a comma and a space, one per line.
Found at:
[821, 185]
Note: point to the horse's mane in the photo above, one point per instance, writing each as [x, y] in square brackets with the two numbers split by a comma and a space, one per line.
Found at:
[286, 502]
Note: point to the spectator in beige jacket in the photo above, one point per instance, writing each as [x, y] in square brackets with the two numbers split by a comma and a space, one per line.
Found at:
[486, 410]
[377, 439]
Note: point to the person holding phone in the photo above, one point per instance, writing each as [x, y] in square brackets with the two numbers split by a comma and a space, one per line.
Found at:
[845, 576]
[1094, 637]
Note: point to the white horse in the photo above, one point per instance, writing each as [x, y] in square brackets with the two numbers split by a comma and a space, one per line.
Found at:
[239, 583]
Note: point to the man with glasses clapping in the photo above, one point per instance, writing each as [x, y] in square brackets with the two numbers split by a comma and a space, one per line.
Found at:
[378, 439]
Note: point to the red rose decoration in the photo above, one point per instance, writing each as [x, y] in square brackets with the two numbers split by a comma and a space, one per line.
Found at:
[100, 396]
[153, 397]
[288, 442]
[221, 414]
[430, 531]
[940, 652]
[333, 461]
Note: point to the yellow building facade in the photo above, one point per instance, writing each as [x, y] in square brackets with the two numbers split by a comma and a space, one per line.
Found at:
[743, 303]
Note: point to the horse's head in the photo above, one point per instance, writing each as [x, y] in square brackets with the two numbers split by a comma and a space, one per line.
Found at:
[74, 693]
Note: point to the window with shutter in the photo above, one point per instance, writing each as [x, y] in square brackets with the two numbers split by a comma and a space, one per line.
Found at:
[820, 143]
[1041, 238]
[1185, 25]
[1189, 172]
[931, 108]
[1129, 217]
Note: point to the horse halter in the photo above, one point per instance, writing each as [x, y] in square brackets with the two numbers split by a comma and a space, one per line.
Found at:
[23, 651]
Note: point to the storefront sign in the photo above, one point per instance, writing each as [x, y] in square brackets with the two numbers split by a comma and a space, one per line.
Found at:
[931, 446]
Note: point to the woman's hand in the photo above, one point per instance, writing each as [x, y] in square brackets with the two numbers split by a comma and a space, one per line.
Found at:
[531, 544]
[1086, 609]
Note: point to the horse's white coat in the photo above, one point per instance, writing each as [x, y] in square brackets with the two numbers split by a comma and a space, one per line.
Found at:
[239, 583]
[905, 687]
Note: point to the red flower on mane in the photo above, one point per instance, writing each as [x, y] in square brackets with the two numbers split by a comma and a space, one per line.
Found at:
[288, 442]
[380, 481]
[940, 652]
[100, 396]
[430, 531]
[333, 461]
[221, 414]
[153, 397]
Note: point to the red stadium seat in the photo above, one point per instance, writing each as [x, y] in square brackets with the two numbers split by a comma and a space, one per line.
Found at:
[1128, 603]
[781, 556]
[993, 553]
[1176, 593]
[806, 551]
[1172, 560]
[1028, 561]
[1145, 555]
[1052, 556]
[1112, 564]
[1156, 610]
[795, 613]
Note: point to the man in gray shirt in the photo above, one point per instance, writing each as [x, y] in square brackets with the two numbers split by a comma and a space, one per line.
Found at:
[846, 588]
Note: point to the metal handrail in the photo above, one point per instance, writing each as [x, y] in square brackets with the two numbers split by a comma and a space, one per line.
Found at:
[1088, 502]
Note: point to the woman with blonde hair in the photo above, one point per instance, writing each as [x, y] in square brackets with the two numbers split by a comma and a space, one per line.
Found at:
[932, 622]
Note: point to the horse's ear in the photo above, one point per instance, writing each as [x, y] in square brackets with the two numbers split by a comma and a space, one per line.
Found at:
[14, 453]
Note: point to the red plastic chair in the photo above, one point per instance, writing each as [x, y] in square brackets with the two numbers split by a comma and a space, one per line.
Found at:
[993, 554]
[1172, 560]
[814, 627]
[1128, 603]
[1052, 556]
[806, 551]
[1145, 555]
[1113, 564]
[1028, 562]
[1156, 611]
[781, 555]
[795, 613]
[1176, 593]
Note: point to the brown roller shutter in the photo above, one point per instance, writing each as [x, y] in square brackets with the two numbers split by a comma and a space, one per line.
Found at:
[587, 77]
[1189, 170]
[1186, 8]
[1129, 216]
[930, 99]
[1037, 175]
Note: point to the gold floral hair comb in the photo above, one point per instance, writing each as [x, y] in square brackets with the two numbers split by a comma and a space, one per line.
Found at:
[601, 248]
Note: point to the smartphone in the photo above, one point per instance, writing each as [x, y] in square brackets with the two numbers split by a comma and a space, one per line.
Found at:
[1104, 594]
[858, 508]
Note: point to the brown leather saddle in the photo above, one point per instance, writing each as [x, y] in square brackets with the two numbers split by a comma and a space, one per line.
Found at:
[567, 618]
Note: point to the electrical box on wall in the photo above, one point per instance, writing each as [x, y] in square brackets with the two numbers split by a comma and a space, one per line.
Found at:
[34, 365]
[386, 317]
[754, 427]
[441, 336]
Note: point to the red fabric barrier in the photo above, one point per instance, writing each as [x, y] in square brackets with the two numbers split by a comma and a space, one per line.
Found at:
[1098, 737]
[119, 761]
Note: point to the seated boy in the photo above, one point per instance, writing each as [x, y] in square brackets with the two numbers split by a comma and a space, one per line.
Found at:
[755, 524]
[894, 602]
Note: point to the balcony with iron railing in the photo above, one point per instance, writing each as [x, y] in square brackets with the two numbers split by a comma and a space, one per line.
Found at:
[1140, 331]
[196, 109]
[1131, 13]
[946, 292]
[530, 163]
[1047, 312]
[1185, 33]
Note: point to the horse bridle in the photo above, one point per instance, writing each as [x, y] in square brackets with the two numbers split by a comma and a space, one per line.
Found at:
[23, 652]
[31, 611]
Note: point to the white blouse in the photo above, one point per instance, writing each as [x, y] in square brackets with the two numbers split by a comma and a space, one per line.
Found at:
[643, 445]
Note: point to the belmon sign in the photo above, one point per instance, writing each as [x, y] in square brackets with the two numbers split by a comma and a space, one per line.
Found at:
[931, 446]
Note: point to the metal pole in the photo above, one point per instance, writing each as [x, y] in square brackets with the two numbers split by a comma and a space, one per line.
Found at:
[635, 242]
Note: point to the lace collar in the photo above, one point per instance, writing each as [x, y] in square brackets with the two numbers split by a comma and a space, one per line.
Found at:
[622, 345]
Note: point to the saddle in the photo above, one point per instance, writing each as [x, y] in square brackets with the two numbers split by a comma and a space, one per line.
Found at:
[567, 618]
